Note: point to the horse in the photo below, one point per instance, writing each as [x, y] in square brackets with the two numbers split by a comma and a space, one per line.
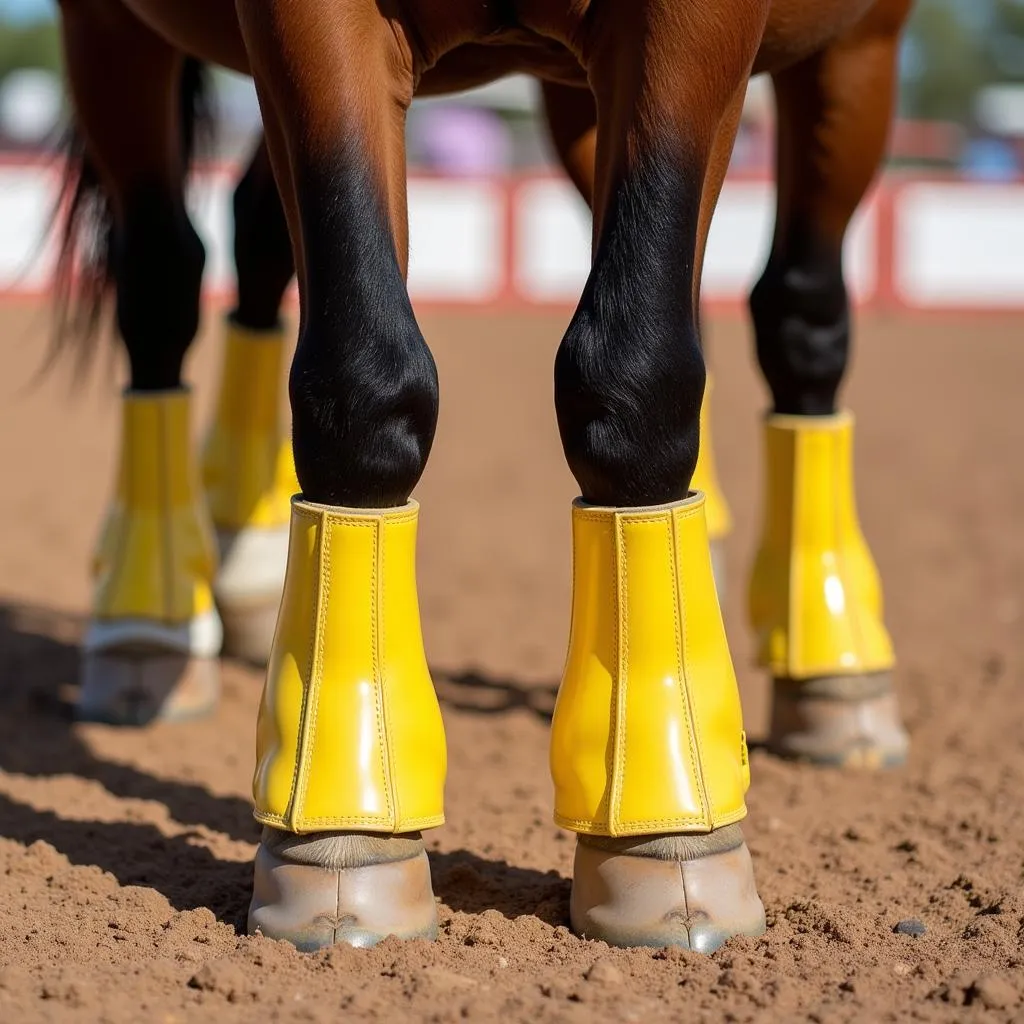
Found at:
[648, 753]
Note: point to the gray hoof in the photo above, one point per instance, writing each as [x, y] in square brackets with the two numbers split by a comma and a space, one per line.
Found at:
[355, 889]
[632, 892]
[840, 721]
[718, 570]
[137, 688]
[249, 629]
[248, 589]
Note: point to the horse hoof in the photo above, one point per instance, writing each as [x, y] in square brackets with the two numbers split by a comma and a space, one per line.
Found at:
[842, 721]
[248, 589]
[249, 628]
[695, 892]
[718, 569]
[141, 687]
[353, 890]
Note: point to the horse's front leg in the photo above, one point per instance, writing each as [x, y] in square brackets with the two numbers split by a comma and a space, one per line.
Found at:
[648, 752]
[571, 115]
[350, 745]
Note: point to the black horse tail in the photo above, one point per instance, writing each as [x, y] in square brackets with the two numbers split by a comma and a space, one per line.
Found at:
[83, 278]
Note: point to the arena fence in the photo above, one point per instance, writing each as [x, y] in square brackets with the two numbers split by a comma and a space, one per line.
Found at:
[918, 244]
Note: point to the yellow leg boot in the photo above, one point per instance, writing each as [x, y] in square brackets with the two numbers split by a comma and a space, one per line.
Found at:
[350, 758]
[151, 648]
[716, 508]
[648, 754]
[250, 479]
[816, 604]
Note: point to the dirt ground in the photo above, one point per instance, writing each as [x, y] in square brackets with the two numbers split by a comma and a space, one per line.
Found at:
[125, 855]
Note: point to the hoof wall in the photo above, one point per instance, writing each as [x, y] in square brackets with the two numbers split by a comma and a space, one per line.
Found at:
[313, 907]
[718, 569]
[249, 629]
[248, 589]
[139, 688]
[697, 904]
[846, 722]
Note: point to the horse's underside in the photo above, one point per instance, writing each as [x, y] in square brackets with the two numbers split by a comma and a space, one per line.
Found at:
[648, 755]
[459, 45]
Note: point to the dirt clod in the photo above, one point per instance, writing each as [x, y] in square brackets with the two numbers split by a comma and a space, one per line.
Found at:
[604, 972]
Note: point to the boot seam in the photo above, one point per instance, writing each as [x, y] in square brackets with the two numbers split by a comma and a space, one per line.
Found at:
[371, 823]
[378, 641]
[682, 664]
[311, 689]
[620, 688]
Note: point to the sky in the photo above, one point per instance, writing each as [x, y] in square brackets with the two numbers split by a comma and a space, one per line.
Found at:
[26, 10]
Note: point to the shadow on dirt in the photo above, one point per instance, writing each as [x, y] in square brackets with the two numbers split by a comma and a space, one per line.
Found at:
[188, 875]
[39, 668]
[477, 693]
[473, 884]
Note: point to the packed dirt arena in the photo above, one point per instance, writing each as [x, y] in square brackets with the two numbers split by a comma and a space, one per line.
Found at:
[126, 857]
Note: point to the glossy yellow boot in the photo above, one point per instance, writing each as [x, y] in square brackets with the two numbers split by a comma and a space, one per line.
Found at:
[816, 603]
[250, 479]
[152, 644]
[716, 508]
[648, 754]
[350, 758]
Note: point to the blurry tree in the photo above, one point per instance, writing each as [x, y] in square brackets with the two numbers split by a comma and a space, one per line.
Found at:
[1005, 40]
[34, 45]
[953, 48]
[943, 63]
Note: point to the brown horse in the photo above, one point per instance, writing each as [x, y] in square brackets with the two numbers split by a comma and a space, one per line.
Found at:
[648, 753]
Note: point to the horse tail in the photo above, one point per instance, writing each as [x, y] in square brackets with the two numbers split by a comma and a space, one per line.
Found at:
[83, 216]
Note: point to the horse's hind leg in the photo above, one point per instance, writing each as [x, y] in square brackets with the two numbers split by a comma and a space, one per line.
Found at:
[152, 643]
[247, 459]
[815, 600]
[648, 752]
[572, 122]
[350, 743]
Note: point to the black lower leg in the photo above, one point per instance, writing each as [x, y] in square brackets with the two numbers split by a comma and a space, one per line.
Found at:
[629, 374]
[363, 384]
[263, 248]
[158, 267]
[802, 323]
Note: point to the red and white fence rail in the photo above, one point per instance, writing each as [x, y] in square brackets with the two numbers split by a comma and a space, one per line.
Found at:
[917, 244]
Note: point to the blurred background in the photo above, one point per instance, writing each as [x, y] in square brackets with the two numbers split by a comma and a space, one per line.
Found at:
[961, 104]
[526, 238]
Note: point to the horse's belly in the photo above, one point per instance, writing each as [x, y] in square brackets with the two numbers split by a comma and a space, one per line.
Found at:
[208, 29]
[477, 64]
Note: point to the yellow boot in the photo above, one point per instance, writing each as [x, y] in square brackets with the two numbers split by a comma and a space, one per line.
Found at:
[152, 644]
[250, 479]
[816, 603]
[350, 744]
[648, 754]
[716, 508]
